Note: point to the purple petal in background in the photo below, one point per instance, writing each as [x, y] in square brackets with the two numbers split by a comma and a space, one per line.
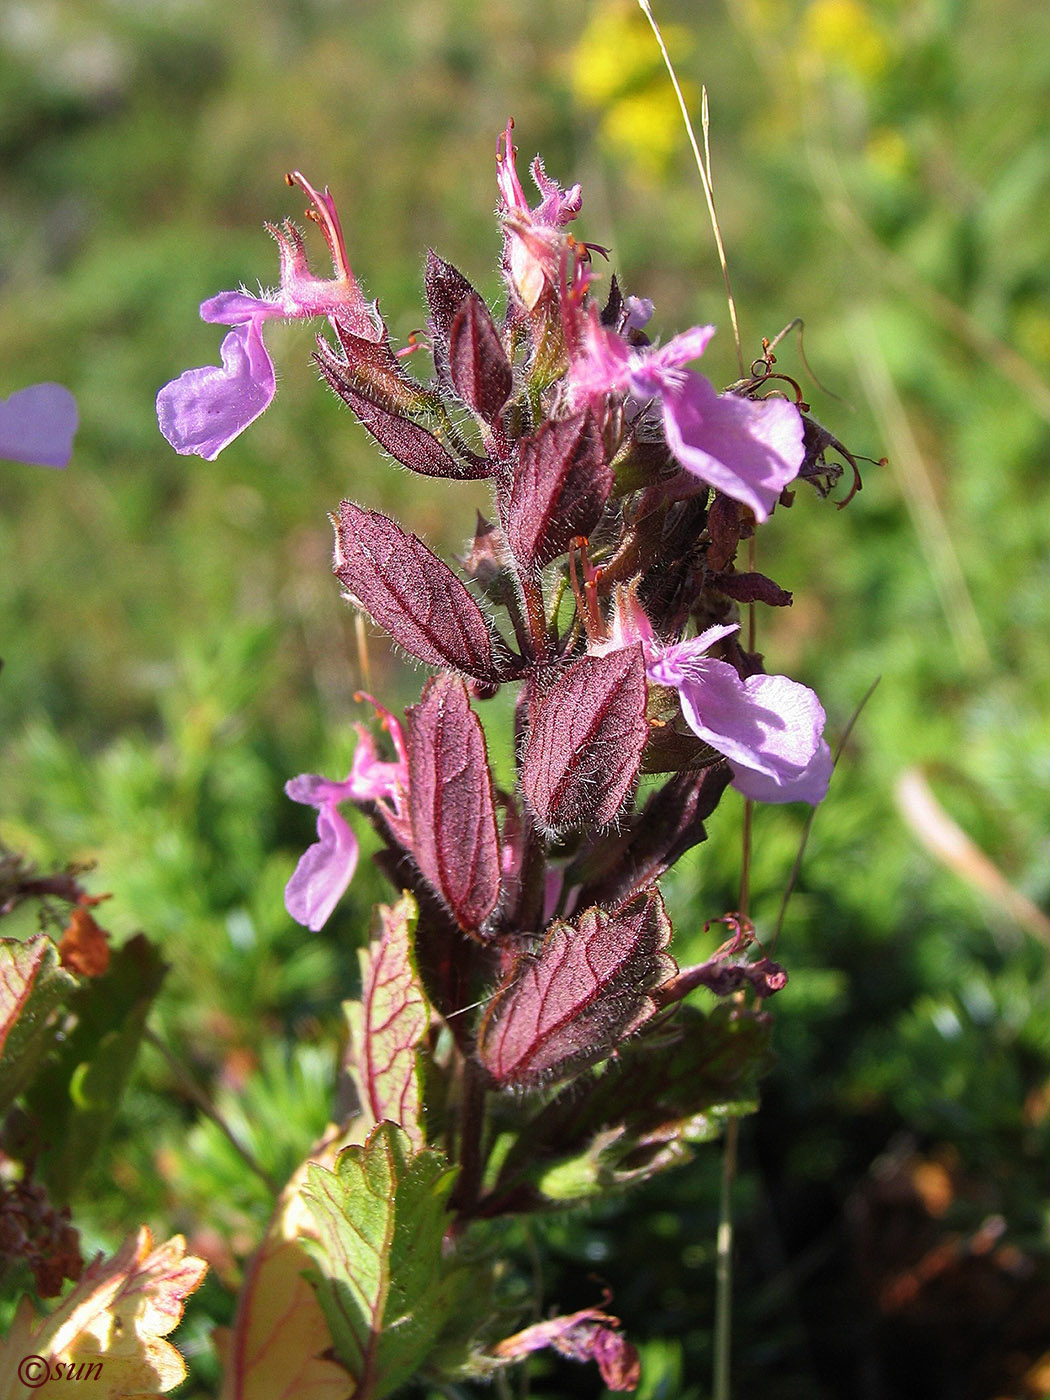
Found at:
[205, 409]
[37, 426]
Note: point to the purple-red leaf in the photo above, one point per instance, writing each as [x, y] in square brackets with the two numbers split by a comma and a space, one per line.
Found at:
[588, 986]
[613, 868]
[561, 483]
[447, 289]
[411, 592]
[454, 836]
[387, 402]
[478, 364]
[586, 735]
[751, 588]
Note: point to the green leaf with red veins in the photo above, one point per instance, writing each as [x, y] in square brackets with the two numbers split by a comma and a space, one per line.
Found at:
[587, 729]
[561, 483]
[586, 987]
[383, 1283]
[412, 593]
[389, 1022]
[32, 985]
[455, 840]
[478, 365]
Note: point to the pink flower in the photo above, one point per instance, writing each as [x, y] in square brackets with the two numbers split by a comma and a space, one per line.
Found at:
[205, 409]
[749, 449]
[533, 243]
[770, 728]
[327, 867]
[37, 426]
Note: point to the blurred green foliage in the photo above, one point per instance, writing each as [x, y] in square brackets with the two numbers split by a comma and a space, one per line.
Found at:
[175, 649]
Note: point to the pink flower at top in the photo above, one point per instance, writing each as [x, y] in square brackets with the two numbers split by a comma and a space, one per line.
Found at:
[533, 244]
[37, 426]
[770, 728]
[749, 449]
[327, 867]
[205, 409]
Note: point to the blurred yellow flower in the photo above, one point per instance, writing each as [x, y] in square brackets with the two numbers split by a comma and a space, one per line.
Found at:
[844, 32]
[616, 70]
[889, 152]
[645, 128]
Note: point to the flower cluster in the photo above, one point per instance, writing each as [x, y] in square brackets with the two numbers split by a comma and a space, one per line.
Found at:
[623, 483]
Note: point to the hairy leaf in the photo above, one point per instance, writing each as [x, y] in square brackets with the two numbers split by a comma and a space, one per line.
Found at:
[396, 410]
[751, 588]
[110, 1329]
[381, 1278]
[587, 729]
[447, 290]
[454, 835]
[637, 1114]
[587, 987]
[478, 365]
[32, 985]
[411, 592]
[561, 483]
[671, 822]
[389, 1022]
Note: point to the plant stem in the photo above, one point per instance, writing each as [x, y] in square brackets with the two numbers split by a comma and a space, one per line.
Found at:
[471, 1126]
[194, 1092]
[724, 1267]
[535, 613]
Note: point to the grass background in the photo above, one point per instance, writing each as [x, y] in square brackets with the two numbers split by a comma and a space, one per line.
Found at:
[174, 646]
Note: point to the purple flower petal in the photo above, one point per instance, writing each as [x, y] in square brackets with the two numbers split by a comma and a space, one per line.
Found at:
[324, 871]
[809, 784]
[238, 308]
[205, 409]
[37, 426]
[749, 449]
[769, 727]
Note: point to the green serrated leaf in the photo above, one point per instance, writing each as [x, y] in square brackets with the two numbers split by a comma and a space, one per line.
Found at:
[74, 1099]
[32, 985]
[385, 1289]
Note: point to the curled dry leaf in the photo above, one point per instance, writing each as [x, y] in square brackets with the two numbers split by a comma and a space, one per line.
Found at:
[588, 1335]
[118, 1315]
[84, 946]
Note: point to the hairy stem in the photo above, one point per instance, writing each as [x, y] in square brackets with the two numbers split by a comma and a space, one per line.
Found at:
[471, 1127]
